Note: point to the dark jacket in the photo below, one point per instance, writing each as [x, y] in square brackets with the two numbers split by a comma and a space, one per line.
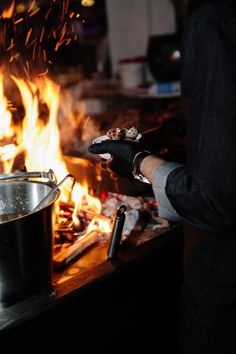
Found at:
[204, 192]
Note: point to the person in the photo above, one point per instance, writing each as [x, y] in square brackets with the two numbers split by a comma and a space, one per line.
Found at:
[200, 193]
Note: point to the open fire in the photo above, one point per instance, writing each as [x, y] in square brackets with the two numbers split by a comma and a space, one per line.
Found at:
[33, 144]
[30, 134]
[36, 141]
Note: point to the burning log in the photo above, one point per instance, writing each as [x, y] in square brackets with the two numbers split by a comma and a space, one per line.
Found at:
[68, 209]
[66, 231]
[92, 214]
[67, 254]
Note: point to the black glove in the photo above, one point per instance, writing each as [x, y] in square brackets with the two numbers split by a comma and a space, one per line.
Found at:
[122, 155]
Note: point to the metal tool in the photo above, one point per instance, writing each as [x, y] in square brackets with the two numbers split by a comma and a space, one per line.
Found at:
[50, 175]
[116, 232]
[46, 199]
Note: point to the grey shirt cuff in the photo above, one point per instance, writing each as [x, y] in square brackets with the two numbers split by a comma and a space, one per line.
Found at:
[165, 209]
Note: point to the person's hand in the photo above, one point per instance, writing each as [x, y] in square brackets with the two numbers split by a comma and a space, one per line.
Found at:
[122, 156]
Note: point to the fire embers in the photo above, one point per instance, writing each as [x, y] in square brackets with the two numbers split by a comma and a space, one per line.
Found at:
[72, 237]
[67, 229]
[123, 133]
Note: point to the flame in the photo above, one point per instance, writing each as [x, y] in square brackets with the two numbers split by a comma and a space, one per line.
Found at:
[39, 138]
[100, 224]
[5, 122]
[8, 149]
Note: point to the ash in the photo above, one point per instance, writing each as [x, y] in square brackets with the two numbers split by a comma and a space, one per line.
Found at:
[141, 213]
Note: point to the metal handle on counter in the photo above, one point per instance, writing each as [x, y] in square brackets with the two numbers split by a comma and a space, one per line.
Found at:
[116, 232]
[50, 175]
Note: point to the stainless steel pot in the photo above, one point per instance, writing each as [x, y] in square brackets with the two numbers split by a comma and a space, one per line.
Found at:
[26, 237]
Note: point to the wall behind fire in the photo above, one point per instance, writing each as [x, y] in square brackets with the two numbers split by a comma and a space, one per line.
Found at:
[130, 24]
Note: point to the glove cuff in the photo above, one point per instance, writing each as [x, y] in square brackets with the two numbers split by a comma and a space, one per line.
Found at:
[138, 158]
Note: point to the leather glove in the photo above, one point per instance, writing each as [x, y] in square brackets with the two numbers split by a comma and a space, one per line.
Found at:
[122, 156]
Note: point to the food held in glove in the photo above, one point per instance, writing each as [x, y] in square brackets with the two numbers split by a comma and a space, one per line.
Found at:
[116, 133]
[131, 134]
[123, 134]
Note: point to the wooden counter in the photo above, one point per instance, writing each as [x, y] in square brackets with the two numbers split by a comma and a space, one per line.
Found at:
[98, 303]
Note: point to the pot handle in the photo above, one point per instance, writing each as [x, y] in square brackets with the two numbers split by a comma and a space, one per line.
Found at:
[50, 175]
[45, 200]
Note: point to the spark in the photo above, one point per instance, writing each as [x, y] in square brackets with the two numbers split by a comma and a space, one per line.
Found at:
[48, 13]
[67, 6]
[54, 33]
[28, 36]
[44, 73]
[11, 45]
[31, 43]
[59, 44]
[39, 52]
[34, 12]
[44, 55]
[14, 57]
[26, 73]
[63, 33]
[63, 10]
[18, 21]
[34, 50]
[27, 66]
[32, 6]
[42, 34]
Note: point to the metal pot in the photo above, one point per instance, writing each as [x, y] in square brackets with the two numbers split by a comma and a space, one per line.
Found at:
[26, 237]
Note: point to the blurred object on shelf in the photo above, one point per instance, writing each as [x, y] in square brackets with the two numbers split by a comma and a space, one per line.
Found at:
[132, 72]
[165, 89]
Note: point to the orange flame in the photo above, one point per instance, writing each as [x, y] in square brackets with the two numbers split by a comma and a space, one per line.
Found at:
[8, 149]
[5, 121]
[39, 138]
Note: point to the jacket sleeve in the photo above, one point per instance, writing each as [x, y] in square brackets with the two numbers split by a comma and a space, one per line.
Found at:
[180, 198]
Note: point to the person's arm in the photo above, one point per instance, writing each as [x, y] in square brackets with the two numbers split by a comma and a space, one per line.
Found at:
[129, 159]
[180, 198]
[149, 165]
[157, 170]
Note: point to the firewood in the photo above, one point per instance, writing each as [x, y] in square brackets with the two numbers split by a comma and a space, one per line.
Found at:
[62, 258]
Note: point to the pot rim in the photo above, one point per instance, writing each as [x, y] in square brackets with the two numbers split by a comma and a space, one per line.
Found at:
[49, 184]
